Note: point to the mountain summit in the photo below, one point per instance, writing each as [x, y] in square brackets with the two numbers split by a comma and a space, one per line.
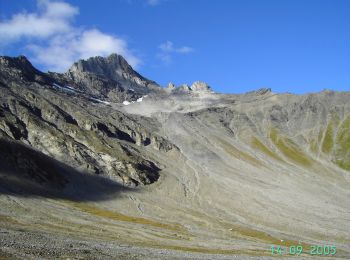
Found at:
[113, 67]
[109, 78]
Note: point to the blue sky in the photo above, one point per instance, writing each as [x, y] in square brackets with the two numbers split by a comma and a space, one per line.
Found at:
[235, 46]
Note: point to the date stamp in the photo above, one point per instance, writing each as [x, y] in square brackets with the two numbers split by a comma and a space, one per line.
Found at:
[298, 250]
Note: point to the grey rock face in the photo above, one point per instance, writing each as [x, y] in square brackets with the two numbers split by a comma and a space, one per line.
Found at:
[184, 88]
[21, 69]
[196, 87]
[71, 127]
[200, 86]
[113, 68]
[170, 87]
[109, 78]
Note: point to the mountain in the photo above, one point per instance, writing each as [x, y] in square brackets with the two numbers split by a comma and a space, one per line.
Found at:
[114, 67]
[70, 124]
[100, 162]
[109, 78]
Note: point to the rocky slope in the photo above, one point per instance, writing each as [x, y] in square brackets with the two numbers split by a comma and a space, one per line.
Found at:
[104, 157]
[75, 127]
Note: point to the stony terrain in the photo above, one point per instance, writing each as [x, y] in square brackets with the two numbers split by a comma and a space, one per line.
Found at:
[100, 162]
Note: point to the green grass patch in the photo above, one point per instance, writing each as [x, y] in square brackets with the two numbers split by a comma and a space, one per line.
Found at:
[233, 151]
[257, 144]
[315, 142]
[328, 142]
[342, 152]
[289, 149]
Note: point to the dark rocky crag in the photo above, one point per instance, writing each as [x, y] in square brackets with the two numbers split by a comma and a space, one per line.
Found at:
[61, 116]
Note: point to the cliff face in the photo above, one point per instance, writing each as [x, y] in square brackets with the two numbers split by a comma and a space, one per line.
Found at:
[114, 67]
[75, 127]
[215, 173]
[111, 77]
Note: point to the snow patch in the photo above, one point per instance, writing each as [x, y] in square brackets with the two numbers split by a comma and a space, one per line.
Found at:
[132, 102]
[141, 98]
[56, 85]
[70, 87]
[66, 89]
[100, 101]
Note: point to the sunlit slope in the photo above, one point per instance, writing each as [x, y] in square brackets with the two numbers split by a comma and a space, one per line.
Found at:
[250, 171]
[253, 164]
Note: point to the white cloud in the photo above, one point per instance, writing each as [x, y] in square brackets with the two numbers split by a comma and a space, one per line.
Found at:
[56, 56]
[167, 50]
[168, 46]
[51, 18]
[63, 50]
[94, 41]
[61, 43]
[184, 49]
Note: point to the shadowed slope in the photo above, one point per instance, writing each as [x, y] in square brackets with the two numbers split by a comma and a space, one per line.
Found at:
[27, 172]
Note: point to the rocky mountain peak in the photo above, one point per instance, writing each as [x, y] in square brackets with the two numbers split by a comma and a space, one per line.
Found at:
[107, 66]
[21, 63]
[114, 67]
[196, 87]
[21, 68]
[200, 86]
[184, 88]
[171, 87]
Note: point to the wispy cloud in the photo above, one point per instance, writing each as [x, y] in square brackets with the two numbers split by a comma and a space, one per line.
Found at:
[61, 43]
[61, 52]
[168, 46]
[167, 50]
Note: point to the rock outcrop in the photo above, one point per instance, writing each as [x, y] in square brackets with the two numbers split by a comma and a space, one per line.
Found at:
[52, 115]
[114, 67]
[200, 86]
[196, 87]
